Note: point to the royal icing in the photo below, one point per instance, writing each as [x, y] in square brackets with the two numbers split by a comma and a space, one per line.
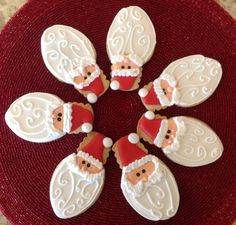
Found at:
[131, 39]
[194, 143]
[193, 78]
[67, 53]
[30, 117]
[155, 194]
[71, 192]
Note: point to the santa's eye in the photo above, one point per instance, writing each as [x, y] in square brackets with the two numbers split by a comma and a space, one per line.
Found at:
[137, 174]
[89, 73]
[143, 171]
[88, 165]
[59, 119]
[129, 67]
[167, 137]
[83, 162]
[59, 114]
[169, 131]
[122, 67]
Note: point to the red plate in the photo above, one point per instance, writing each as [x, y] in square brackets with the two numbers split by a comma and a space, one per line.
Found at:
[183, 27]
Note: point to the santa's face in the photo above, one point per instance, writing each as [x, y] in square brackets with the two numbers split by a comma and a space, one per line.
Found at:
[170, 133]
[84, 165]
[58, 118]
[125, 68]
[167, 89]
[141, 174]
[155, 198]
[87, 72]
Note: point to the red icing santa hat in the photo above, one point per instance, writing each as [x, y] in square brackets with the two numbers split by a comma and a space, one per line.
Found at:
[155, 128]
[156, 94]
[76, 116]
[130, 154]
[93, 151]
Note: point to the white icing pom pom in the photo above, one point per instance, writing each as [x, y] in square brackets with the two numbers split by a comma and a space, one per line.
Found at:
[133, 138]
[87, 127]
[107, 142]
[142, 92]
[92, 98]
[149, 115]
[115, 85]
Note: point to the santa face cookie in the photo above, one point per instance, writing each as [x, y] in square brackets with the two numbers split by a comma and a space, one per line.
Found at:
[184, 140]
[42, 117]
[186, 82]
[78, 180]
[131, 40]
[70, 57]
[147, 183]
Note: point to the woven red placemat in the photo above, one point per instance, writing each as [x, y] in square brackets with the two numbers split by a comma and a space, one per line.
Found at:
[183, 27]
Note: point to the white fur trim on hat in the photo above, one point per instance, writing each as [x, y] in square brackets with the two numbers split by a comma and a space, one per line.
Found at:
[90, 159]
[161, 133]
[133, 138]
[181, 131]
[107, 142]
[87, 127]
[137, 163]
[67, 117]
[160, 93]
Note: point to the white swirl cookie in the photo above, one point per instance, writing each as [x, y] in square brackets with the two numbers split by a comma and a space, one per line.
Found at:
[78, 180]
[146, 182]
[186, 82]
[71, 58]
[42, 117]
[131, 40]
[184, 140]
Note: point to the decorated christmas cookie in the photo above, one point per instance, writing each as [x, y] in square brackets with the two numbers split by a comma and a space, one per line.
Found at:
[184, 140]
[186, 82]
[78, 179]
[147, 183]
[70, 57]
[43, 117]
[131, 40]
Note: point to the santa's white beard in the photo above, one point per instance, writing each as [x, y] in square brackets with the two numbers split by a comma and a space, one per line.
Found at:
[125, 72]
[73, 191]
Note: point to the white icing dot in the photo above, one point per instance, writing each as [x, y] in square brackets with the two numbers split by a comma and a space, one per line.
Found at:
[87, 127]
[150, 115]
[115, 85]
[92, 98]
[142, 92]
[107, 142]
[133, 138]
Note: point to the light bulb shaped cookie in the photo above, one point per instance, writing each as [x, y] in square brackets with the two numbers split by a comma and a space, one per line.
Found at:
[146, 182]
[186, 82]
[78, 180]
[42, 117]
[184, 140]
[71, 58]
[131, 40]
